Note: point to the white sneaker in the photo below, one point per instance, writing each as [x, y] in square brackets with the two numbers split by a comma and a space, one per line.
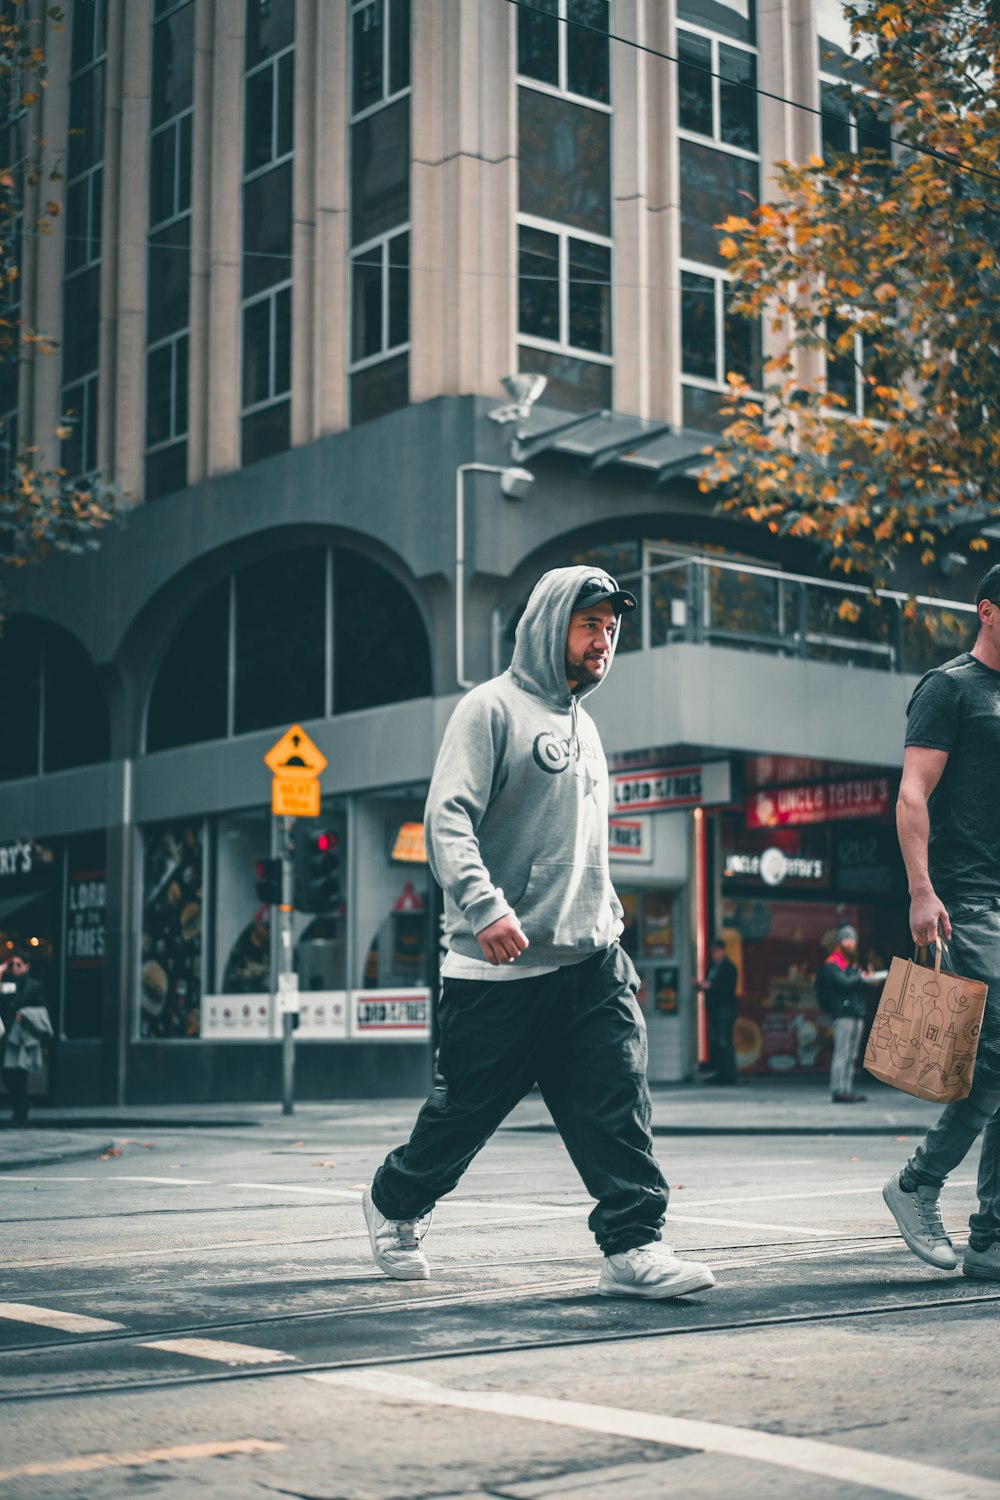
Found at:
[918, 1216]
[396, 1243]
[652, 1270]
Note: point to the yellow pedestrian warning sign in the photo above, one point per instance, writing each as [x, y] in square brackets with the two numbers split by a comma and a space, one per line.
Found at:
[295, 797]
[295, 757]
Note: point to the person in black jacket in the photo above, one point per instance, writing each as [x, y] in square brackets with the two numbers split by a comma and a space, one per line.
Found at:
[17, 989]
[719, 989]
[840, 993]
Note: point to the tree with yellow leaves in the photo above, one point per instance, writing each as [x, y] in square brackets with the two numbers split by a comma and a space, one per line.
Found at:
[877, 433]
[41, 510]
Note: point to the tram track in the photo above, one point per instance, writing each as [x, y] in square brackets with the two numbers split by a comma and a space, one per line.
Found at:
[195, 1378]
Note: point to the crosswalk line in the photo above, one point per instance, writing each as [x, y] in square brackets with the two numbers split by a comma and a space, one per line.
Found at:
[90, 1463]
[50, 1317]
[294, 1187]
[220, 1351]
[167, 1181]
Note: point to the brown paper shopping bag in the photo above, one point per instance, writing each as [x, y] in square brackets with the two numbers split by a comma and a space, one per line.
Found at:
[926, 1030]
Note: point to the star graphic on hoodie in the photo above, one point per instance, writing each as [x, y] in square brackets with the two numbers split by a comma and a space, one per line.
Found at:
[590, 783]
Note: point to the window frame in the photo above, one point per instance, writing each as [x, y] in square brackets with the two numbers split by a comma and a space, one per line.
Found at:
[853, 129]
[388, 351]
[565, 233]
[269, 294]
[276, 159]
[721, 280]
[388, 96]
[170, 341]
[561, 89]
[715, 139]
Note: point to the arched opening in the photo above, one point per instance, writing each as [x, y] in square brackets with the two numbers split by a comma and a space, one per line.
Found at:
[55, 710]
[304, 633]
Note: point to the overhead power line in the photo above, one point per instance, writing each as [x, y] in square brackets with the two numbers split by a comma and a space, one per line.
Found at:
[810, 109]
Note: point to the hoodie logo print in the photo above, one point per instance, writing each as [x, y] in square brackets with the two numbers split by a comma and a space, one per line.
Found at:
[551, 753]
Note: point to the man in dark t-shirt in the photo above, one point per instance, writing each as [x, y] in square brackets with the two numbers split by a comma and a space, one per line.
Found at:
[948, 818]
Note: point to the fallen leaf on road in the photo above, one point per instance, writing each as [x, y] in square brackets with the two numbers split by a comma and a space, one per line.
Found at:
[855, 1158]
[325, 1164]
[172, 1166]
[112, 1151]
[296, 1143]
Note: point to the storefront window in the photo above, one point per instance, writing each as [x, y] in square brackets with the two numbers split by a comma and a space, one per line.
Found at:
[242, 923]
[172, 930]
[651, 941]
[397, 896]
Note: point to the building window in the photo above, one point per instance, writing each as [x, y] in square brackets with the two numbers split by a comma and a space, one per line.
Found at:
[305, 633]
[61, 719]
[172, 930]
[81, 284]
[563, 44]
[853, 370]
[13, 156]
[380, 299]
[564, 298]
[715, 342]
[168, 297]
[851, 123]
[564, 161]
[380, 52]
[268, 144]
[716, 90]
[380, 208]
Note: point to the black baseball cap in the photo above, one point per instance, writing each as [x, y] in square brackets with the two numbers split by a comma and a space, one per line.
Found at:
[600, 588]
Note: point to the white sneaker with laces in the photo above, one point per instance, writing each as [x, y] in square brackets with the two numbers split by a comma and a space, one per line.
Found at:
[396, 1243]
[652, 1271]
[918, 1215]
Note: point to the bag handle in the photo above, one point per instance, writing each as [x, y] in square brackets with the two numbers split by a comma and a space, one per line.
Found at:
[920, 952]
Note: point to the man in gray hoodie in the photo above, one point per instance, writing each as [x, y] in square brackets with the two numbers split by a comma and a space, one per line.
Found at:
[535, 986]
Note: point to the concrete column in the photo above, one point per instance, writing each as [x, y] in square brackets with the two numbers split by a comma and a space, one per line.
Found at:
[43, 255]
[331, 280]
[221, 385]
[304, 185]
[111, 198]
[663, 217]
[463, 185]
[128, 395]
[632, 327]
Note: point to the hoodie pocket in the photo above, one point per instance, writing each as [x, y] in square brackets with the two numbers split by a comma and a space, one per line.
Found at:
[567, 906]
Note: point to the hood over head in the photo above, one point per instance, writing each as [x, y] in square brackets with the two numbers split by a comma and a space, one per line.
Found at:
[539, 661]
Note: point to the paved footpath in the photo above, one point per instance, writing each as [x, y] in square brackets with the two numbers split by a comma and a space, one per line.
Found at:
[188, 1305]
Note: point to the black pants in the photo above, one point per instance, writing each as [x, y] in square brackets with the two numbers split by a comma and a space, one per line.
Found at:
[579, 1034]
[721, 1053]
[15, 1081]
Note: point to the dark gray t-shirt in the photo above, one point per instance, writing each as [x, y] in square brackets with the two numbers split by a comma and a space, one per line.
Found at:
[956, 707]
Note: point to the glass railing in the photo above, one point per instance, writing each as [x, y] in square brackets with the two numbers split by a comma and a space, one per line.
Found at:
[748, 608]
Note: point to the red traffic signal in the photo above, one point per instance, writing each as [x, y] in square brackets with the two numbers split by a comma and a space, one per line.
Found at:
[317, 870]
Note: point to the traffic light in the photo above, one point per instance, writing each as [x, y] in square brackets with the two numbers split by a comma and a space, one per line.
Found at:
[317, 870]
[269, 881]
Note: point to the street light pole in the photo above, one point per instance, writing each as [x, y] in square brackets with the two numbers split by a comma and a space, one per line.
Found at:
[512, 482]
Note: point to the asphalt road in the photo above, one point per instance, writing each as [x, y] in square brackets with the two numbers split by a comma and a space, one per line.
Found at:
[199, 1316]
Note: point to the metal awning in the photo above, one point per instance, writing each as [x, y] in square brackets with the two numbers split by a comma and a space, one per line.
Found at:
[597, 438]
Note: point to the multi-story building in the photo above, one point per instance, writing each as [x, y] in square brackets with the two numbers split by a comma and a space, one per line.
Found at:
[304, 242]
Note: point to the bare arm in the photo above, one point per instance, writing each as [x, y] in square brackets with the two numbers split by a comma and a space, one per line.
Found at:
[922, 770]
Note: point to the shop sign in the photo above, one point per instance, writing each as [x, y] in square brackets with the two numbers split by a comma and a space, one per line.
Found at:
[774, 867]
[631, 839]
[86, 903]
[391, 1015]
[16, 858]
[787, 806]
[236, 1018]
[670, 787]
[322, 1016]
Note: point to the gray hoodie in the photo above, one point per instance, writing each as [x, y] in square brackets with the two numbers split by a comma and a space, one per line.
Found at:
[517, 811]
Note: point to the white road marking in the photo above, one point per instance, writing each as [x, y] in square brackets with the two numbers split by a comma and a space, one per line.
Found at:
[39, 1178]
[220, 1351]
[294, 1187]
[87, 1463]
[873, 1187]
[854, 1466]
[49, 1317]
[170, 1181]
[685, 1218]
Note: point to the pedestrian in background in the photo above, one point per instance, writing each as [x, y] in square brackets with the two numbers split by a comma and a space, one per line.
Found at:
[948, 819]
[840, 994]
[536, 988]
[25, 1025]
[719, 989]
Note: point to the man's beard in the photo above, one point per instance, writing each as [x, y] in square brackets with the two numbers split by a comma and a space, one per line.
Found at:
[584, 672]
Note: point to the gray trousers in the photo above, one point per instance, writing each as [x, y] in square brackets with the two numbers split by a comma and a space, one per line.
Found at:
[974, 951]
[846, 1038]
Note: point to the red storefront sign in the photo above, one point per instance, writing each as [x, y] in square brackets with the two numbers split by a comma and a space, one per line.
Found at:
[784, 806]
